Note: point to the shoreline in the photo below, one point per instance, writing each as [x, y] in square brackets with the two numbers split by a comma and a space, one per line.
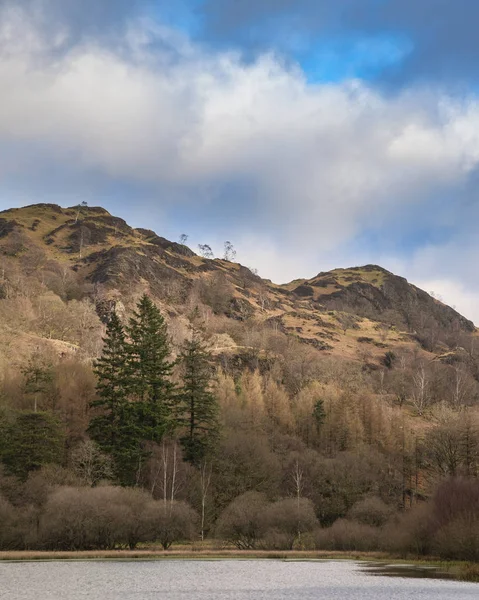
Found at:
[187, 554]
[459, 570]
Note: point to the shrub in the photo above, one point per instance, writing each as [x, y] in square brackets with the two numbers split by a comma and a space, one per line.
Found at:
[241, 523]
[458, 540]
[93, 518]
[170, 522]
[285, 521]
[348, 535]
[411, 533]
[8, 534]
[371, 511]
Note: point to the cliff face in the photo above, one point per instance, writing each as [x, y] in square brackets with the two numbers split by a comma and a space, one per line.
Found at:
[336, 312]
[374, 292]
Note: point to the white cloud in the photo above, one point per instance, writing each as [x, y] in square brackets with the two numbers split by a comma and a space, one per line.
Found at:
[323, 161]
[453, 293]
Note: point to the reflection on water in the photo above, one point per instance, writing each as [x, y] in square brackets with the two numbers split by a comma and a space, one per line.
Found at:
[405, 570]
[220, 580]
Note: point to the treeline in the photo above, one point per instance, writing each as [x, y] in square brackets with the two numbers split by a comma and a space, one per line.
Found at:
[330, 453]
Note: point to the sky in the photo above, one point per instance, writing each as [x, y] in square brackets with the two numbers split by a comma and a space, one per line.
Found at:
[311, 134]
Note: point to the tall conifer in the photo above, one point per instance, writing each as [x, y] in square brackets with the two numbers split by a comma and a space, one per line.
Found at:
[197, 405]
[115, 427]
[149, 369]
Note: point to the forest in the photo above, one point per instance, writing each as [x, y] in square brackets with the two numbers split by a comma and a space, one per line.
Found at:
[139, 418]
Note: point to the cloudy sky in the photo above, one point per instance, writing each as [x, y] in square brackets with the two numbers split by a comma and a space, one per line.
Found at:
[312, 134]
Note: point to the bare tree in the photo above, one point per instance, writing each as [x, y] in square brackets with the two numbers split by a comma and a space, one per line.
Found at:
[460, 387]
[90, 464]
[205, 251]
[229, 252]
[183, 238]
[298, 479]
[164, 472]
[205, 480]
[421, 393]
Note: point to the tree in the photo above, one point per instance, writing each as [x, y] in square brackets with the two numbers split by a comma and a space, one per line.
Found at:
[197, 405]
[149, 371]
[149, 367]
[90, 464]
[111, 368]
[205, 481]
[115, 428]
[183, 238]
[205, 251]
[230, 252]
[319, 414]
[34, 439]
[421, 393]
[38, 379]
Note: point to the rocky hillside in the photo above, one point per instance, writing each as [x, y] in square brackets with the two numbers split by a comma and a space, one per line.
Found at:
[87, 252]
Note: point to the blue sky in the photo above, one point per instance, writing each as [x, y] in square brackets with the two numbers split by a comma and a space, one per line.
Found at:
[310, 133]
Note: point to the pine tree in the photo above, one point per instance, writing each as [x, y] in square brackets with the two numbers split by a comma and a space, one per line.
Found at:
[319, 413]
[197, 405]
[149, 369]
[115, 428]
[110, 368]
[135, 391]
[35, 439]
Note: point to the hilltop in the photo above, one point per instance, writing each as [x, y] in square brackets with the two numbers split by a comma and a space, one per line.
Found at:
[87, 252]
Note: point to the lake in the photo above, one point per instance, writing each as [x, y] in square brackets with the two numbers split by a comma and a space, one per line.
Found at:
[217, 580]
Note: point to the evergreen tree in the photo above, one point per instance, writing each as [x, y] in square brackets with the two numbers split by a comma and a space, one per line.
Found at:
[111, 368]
[115, 428]
[35, 439]
[149, 369]
[135, 391]
[319, 413]
[197, 405]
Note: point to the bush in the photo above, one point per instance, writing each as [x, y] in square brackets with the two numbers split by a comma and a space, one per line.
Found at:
[170, 522]
[241, 523]
[9, 539]
[458, 540]
[348, 535]
[93, 518]
[17, 526]
[79, 519]
[371, 511]
[456, 516]
[410, 533]
[285, 521]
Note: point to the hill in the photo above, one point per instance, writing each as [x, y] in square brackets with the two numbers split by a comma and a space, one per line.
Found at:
[86, 252]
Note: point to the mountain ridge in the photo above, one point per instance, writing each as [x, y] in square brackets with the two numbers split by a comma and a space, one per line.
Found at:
[341, 312]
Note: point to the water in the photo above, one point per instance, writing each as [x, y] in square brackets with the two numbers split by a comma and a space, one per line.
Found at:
[217, 580]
